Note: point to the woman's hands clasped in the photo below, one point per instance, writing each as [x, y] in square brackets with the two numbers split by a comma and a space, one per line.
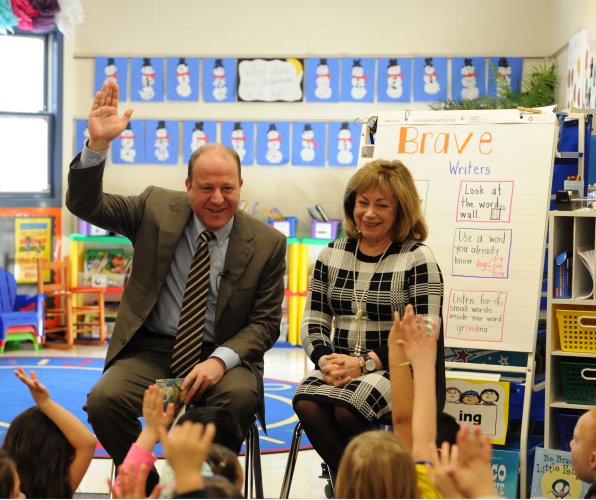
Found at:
[340, 369]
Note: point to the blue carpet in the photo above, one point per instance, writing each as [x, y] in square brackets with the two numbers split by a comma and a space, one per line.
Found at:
[70, 379]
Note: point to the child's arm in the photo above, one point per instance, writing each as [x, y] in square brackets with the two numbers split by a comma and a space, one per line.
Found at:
[402, 386]
[131, 486]
[421, 351]
[73, 429]
[186, 450]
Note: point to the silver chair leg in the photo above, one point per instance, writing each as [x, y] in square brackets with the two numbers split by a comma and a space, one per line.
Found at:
[291, 464]
[113, 476]
[248, 465]
[253, 476]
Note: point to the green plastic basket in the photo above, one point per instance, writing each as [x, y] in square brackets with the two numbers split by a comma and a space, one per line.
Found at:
[579, 382]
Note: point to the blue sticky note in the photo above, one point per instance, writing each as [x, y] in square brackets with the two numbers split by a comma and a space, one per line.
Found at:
[183, 79]
[161, 145]
[358, 79]
[322, 79]
[219, 79]
[430, 79]
[343, 144]
[112, 68]
[273, 143]
[468, 77]
[395, 79]
[146, 79]
[510, 68]
[81, 136]
[197, 133]
[241, 137]
[308, 143]
[129, 147]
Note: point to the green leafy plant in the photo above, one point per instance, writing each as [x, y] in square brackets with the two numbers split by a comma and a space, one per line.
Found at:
[537, 89]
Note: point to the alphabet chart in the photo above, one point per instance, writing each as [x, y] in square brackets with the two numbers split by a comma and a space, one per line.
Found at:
[484, 179]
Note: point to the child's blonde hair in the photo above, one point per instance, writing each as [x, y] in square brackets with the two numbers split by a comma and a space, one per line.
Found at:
[376, 464]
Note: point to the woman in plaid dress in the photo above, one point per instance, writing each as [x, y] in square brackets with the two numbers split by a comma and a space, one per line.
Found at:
[357, 284]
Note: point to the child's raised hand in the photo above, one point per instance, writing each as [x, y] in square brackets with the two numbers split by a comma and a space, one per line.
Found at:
[439, 475]
[39, 392]
[153, 409]
[131, 486]
[396, 332]
[420, 348]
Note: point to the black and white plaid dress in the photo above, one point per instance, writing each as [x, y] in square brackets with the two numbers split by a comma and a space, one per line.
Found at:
[408, 274]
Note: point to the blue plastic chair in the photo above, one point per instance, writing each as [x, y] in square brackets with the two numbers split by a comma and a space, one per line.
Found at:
[15, 324]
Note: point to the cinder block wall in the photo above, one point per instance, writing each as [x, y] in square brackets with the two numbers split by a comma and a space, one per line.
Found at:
[270, 28]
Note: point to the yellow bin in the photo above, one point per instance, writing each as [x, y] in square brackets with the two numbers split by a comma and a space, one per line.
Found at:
[577, 330]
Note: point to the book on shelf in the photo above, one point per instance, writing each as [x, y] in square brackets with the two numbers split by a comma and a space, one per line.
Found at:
[586, 256]
[107, 262]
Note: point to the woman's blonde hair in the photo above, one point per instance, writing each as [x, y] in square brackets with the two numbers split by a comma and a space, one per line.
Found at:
[376, 464]
[392, 178]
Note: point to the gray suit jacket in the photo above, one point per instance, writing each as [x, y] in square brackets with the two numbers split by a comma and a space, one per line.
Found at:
[248, 313]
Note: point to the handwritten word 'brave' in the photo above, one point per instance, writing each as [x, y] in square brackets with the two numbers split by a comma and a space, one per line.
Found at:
[441, 144]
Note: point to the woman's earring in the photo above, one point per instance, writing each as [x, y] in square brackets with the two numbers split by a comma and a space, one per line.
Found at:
[358, 229]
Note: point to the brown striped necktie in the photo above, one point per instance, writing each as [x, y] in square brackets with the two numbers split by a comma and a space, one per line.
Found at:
[189, 339]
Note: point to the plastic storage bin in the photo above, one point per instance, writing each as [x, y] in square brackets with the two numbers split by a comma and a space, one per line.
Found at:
[287, 226]
[323, 230]
[96, 280]
[579, 381]
[577, 329]
[567, 425]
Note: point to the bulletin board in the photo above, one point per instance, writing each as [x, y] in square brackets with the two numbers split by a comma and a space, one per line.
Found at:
[487, 192]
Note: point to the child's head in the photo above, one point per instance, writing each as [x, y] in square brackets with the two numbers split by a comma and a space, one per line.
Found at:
[224, 462]
[376, 464]
[489, 395]
[583, 447]
[42, 455]
[470, 398]
[220, 487]
[10, 484]
[452, 394]
[447, 428]
[228, 432]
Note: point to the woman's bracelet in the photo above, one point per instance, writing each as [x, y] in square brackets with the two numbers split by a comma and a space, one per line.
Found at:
[405, 363]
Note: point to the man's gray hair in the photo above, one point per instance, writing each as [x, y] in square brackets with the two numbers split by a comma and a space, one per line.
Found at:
[217, 147]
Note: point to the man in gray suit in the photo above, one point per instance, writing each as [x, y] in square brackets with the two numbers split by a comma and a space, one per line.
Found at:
[243, 307]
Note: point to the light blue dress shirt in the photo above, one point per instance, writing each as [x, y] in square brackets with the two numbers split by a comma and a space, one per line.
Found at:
[165, 315]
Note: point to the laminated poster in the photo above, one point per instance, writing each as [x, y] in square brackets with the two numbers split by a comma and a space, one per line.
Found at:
[129, 147]
[114, 69]
[505, 471]
[146, 79]
[358, 79]
[468, 78]
[197, 133]
[554, 476]
[590, 70]
[270, 80]
[273, 143]
[81, 135]
[33, 240]
[183, 79]
[395, 79]
[161, 145]
[576, 74]
[430, 79]
[322, 79]
[241, 137]
[509, 69]
[343, 144]
[219, 79]
[308, 143]
[477, 402]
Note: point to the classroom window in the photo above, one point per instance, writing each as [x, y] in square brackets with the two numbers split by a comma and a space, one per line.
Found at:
[31, 120]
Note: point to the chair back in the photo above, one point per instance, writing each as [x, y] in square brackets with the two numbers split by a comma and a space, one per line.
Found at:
[62, 267]
[8, 291]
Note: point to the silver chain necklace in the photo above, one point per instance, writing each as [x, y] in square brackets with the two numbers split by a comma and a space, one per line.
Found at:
[360, 315]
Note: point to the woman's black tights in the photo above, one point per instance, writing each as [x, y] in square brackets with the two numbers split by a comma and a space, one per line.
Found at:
[329, 429]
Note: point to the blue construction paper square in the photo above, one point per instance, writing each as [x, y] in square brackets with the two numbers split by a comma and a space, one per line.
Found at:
[468, 77]
[81, 135]
[112, 68]
[308, 143]
[358, 79]
[161, 145]
[219, 79]
[343, 144]
[183, 79]
[129, 147]
[395, 79]
[273, 143]
[322, 79]
[146, 79]
[241, 137]
[430, 79]
[510, 67]
[197, 133]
